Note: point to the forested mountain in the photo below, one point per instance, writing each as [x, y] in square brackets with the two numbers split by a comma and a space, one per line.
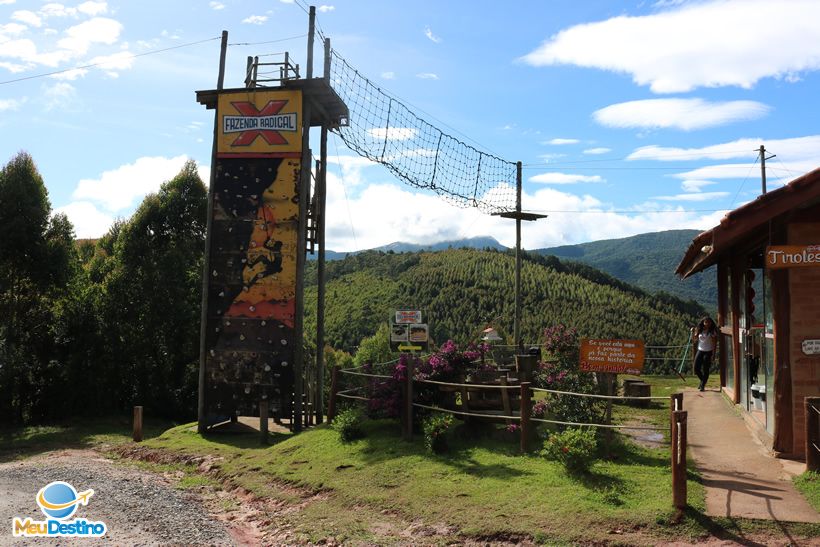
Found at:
[646, 260]
[460, 291]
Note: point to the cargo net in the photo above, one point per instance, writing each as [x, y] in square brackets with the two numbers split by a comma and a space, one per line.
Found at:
[385, 131]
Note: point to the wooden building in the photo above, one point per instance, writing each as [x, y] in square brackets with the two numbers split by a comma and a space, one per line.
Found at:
[767, 254]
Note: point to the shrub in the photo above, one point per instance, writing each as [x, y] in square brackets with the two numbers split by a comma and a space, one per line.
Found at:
[349, 424]
[435, 428]
[574, 448]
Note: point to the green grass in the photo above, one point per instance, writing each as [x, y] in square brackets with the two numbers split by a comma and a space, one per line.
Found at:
[809, 485]
[82, 433]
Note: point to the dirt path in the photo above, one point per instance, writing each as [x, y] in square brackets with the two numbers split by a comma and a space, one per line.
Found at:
[138, 507]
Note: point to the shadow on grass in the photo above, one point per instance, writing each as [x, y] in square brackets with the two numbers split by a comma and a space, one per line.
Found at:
[736, 530]
[80, 433]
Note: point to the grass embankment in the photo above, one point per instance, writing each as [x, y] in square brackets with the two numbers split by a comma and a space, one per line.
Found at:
[483, 487]
[80, 433]
[808, 484]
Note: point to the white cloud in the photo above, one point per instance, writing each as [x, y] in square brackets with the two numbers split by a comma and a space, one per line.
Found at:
[389, 75]
[433, 38]
[385, 212]
[217, 5]
[564, 178]
[685, 114]
[28, 17]
[119, 189]
[695, 185]
[99, 30]
[797, 147]
[597, 151]
[561, 142]
[70, 75]
[393, 133]
[701, 196]
[14, 68]
[10, 104]
[93, 8]
[325, 8]
[89, 222]
[427, 76]
[255, 19]
[786, 170]
[287, 1]
[57, 10]
[59, 96]
[12, 29]
[111, 64]
[6, 2]
[704, 44]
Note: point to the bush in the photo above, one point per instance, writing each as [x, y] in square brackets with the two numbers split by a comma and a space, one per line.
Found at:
[435, 428]
[349, 424]
[574, 448]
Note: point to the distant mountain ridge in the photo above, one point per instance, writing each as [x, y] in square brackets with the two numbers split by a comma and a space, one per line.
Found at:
[646, 260]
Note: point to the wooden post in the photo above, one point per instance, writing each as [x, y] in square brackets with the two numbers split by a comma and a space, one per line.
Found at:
[334, 388]
[137, 435]
[263, 421]
[408, 402]
[812, 433]
[526, 405]
[203, 325]
[679, 459]
[675, 403]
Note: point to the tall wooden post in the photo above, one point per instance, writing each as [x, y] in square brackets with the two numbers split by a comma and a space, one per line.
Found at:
[137, 433]
[517, 321]
[526, 405]
[812, 433]
[201, 418]
[321, 205]
[679, 459]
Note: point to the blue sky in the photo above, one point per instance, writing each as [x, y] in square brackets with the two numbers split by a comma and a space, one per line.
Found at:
[629, 117]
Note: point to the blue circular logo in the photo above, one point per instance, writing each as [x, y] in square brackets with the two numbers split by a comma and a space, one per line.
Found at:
[58, 500]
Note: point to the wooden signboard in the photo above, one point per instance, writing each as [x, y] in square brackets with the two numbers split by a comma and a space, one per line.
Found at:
[614, 356]
[811, 347]
[792, 256]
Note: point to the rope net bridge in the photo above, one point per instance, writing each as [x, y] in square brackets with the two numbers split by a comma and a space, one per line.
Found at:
[384, 130]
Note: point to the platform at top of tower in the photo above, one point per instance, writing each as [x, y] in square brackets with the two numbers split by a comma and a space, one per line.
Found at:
[326, 107]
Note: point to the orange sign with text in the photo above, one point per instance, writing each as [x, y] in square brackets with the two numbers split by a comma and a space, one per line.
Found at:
[792, 256]
[616, 356]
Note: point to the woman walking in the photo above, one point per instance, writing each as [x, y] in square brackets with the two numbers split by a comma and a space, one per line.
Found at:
[705, 337]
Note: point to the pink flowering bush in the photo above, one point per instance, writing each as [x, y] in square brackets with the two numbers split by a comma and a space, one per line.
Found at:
[561, 373]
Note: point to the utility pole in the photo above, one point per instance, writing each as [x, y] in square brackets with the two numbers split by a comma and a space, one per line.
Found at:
[763, 158]
[518, 215]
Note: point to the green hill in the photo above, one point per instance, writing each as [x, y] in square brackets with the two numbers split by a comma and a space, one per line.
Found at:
[460, 291]
[647, 261]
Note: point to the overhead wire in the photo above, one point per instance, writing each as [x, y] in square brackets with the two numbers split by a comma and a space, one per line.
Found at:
[101, 63]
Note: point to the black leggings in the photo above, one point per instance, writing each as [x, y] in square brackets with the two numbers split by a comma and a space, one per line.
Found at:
[703, 362]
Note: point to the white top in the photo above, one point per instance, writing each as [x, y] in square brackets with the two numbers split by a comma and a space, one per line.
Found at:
[706, 341]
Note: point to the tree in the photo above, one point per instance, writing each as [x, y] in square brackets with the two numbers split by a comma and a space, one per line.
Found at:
[36, 252]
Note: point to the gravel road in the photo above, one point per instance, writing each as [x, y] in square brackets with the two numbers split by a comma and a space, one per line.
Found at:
[138, 507]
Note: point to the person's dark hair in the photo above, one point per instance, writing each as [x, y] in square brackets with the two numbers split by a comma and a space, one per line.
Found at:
[702, 326]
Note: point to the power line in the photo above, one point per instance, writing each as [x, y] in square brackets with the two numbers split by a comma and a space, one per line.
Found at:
[83, 67]
[629, 211]
[268, 41]
[696, 155]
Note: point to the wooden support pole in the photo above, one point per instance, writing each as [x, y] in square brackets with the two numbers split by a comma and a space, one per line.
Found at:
[408, 401]
[675, 403]
[812, 433]
[611, 380]
[137, 434]
[334, 388]
[526, 405]
[263, 421]
[679, 459]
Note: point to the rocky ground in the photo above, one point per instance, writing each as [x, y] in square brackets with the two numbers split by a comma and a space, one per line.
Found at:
[138, 507]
